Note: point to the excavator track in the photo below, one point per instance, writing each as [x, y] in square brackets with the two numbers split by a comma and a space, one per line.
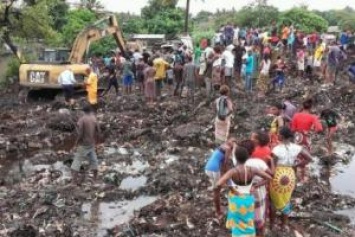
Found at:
[27, 95]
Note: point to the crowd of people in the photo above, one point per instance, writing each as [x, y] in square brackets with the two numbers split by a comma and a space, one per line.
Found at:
[262, 172]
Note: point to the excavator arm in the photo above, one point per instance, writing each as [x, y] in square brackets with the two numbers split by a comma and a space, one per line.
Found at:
[100, 29]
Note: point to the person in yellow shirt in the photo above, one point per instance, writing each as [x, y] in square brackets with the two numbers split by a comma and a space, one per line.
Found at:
[318, 56]
[160, 66]
[91, 86]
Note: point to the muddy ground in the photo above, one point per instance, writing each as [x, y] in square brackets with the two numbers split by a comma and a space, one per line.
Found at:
[151, 177]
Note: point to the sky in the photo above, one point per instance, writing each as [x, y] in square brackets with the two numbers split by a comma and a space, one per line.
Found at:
[134, 6]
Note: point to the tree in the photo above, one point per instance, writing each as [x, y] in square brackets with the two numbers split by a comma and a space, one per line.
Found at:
[163, 17]
[169, 22]
[330, 16]
[77, 20]
[256, 15]
[131, 24]
[202, 16]
[91, 5]
[30, 20]
[58, 10]
[155, 7]
[103, 46]
[304, 20]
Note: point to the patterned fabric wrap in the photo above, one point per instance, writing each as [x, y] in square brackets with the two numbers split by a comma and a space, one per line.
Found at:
[281, 188]
[240, 218]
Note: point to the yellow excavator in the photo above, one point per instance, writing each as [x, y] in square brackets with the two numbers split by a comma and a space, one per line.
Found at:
[37, 79]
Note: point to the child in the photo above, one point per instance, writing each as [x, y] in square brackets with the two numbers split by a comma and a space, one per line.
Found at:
[262, 149]
[217, 163]
[330, 117]
[300, 61]
[280, 74]
[278, 122]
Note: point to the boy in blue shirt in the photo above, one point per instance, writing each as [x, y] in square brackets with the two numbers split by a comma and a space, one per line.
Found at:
[216, 165]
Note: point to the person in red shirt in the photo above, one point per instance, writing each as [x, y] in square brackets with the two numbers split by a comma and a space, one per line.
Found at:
[262, 149]
[303, 123]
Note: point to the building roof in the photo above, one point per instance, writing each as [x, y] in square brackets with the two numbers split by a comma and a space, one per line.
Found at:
[148, 36]
[333, 29]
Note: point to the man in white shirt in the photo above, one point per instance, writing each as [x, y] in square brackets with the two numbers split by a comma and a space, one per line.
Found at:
[67, 80]
[137, 55]
[228, 58]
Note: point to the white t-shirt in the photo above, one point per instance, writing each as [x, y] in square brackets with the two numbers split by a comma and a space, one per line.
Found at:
[266, 67]
[257, 164]
[208, 51]
[66, 78]
[287, 154]
[229, 58]
[217, 38]
[137, 56]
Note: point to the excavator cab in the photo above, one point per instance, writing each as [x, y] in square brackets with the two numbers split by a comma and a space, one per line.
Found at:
[54, 55]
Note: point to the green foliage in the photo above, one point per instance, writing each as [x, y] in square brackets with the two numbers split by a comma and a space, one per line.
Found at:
[304, 20]
[58, 11]
[103, 46]
[12, 69]
[34, 22]
[330, 16]
[163, 17]
[346, 18]
[199, 35]
[169, 22]
[76, 22]
[91, 5]
[256, 16]
[156, 7]
[131, 24]
[202, 16]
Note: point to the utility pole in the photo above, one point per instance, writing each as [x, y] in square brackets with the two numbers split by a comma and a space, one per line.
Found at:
[186, 28]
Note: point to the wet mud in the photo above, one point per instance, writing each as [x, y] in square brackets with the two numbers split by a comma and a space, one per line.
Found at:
[151, 175]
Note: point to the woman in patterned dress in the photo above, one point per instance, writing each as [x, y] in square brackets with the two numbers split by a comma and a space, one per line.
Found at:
[284, 180]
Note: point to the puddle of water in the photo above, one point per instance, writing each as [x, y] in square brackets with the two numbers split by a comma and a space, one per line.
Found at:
[349, 213]
[110, 214]
[133, 183]
[110, 151]
[344, 174]
[342, 182]
[136, 167]
[168, 160]
[171, 158]
[86, 210]
[113, 150]
[65, 170]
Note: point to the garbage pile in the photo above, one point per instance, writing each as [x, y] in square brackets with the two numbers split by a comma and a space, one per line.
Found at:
[155, 155]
